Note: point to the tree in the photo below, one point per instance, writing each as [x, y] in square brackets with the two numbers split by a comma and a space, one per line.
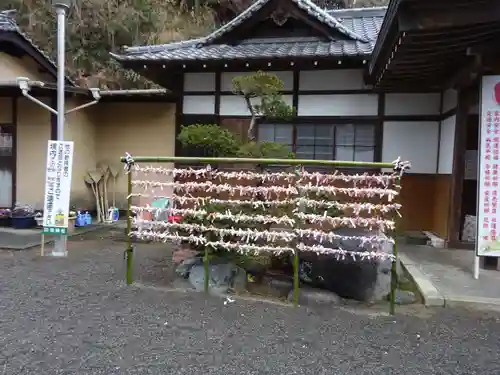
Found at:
[262, 94]
[97, 27]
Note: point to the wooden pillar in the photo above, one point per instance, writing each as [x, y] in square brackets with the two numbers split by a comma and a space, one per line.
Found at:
[466, 98]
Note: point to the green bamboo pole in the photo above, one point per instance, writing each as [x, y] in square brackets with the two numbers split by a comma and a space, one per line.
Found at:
[129, 274]
[394, 268]
[296, 278]
[206, 269]
[296, 260]
[188, 160]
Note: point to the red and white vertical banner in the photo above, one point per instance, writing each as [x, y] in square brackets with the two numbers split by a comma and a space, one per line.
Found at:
[488, 215]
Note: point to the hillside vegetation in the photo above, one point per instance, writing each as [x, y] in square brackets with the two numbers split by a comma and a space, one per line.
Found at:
[96, 27]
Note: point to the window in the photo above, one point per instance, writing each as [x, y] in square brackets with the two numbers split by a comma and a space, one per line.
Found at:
[324, 141]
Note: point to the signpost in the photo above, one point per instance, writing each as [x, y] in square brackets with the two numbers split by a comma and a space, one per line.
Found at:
[488, 211]
[57, 190]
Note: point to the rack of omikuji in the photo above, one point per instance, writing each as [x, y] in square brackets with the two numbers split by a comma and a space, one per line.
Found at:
[288, 211]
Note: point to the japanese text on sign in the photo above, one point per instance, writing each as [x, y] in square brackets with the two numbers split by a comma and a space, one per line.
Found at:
[58, 184]
[488, 216]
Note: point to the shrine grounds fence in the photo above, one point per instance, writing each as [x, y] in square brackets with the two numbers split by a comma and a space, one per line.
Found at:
[220, 206]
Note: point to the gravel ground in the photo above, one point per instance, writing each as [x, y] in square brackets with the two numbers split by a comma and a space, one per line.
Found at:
[76, 316]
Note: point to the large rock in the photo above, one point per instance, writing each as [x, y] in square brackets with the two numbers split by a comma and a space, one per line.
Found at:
[363, 280]
[221, 276]
[185, 267]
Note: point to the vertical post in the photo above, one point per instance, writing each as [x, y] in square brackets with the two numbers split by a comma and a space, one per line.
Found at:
[60, 245]
[296, 278]
[394, 268]
[206, 265]
[129, 251]
[206, 269]
[296, 263]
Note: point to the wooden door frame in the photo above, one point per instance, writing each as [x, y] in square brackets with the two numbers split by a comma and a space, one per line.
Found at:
[13, 164]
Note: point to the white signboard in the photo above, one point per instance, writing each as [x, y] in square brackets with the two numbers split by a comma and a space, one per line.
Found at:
[57, 187]
[488, 215]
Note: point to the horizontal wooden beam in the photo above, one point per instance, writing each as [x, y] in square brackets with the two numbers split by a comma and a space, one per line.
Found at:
[429, 17]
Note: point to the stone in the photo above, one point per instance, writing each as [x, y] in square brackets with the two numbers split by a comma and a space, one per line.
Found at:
[282, 287]
[185, 267]
[405, 297]
[240, 279]
[310, 297]
[362, 280]
[221, 276]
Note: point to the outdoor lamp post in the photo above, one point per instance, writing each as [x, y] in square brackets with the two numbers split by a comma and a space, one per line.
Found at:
[62, 7]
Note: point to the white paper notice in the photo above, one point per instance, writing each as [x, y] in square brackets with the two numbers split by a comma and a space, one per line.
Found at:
[488, 216]
[57, 187]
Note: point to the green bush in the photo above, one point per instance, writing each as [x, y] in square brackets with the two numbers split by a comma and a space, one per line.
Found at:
[208, 140]
[267, 150]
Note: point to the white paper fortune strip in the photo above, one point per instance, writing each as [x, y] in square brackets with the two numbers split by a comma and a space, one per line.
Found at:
[245, 234]
[246, 248]
[344, 254]
[255, 235]
[350, 222]
[319, 178]
[357, 208]
[237, 246]
[266, 191]
[212, 216]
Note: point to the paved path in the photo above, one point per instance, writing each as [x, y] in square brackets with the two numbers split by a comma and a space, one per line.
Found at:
[22, 239]
[450, 273]
[75, 316]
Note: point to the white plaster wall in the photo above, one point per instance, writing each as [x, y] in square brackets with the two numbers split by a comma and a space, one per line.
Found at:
[416, 142]
[412, 104]
[199, 82]
[449, 100]
[198, 104]
[338, 105]
[233, 105]
[341, 79]
[446, 145]
[227, 79]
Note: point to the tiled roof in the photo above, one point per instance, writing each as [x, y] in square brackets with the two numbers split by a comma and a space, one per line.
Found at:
[8, 24]
[306, 5]
[259, 49]
[365, 22]
[361, 26]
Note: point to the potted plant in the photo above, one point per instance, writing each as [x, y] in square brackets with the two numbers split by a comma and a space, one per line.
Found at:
[23, 217]
[5, 217]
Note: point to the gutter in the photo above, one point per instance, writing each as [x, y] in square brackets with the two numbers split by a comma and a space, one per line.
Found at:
[134, 92]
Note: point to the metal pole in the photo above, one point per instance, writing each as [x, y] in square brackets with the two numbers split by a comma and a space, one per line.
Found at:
[61, 52]
[60, 245]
